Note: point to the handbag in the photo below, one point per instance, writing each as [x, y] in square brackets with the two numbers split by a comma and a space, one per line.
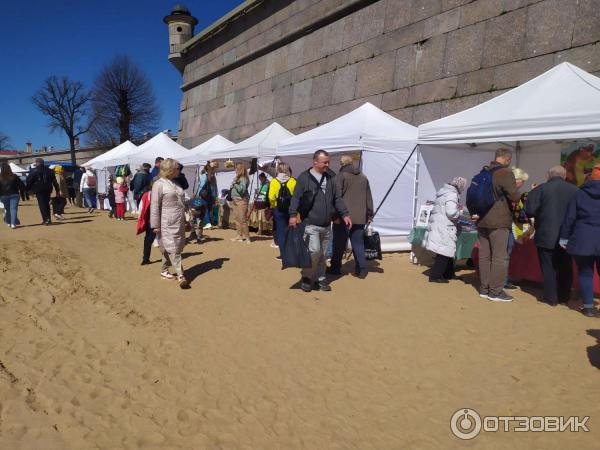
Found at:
[372, 243]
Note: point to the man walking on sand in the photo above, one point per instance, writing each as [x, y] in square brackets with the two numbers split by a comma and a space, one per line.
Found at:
[494, 225]
[318, 202]
[40, 181]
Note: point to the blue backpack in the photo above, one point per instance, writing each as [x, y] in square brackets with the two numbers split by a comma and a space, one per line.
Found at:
[480, 195]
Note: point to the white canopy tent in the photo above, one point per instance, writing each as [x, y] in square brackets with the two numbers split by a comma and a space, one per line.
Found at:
[160, 145]
[261, 145]
[537, 119]
[17, 170]
[203, 152]
[112, 157]
[383, 144]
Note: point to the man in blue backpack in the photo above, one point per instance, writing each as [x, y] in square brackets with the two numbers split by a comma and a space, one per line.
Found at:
[489, 199]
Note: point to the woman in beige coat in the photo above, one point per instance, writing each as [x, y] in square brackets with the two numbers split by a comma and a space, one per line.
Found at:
[167, 219]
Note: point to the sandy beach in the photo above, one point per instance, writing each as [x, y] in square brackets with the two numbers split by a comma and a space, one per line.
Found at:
[97, 351]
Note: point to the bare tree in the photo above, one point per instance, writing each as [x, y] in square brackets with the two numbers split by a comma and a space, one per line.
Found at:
[66, 103]
[5, 143]
[124, 103]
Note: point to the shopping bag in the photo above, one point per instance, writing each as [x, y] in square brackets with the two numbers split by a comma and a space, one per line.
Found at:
[372, 244]
[295, 252]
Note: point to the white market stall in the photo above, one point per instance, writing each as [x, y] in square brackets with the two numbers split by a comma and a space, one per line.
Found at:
[555, 112]
[262, 146]
[112, 157]
[384, 145]
[160, 145]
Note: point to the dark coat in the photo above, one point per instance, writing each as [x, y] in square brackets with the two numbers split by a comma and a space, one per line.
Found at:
[548, 203]
[11, 186]
[41, 179]
[505, 188]
[581, 226]
[356, 192]
[326, 206]
[142, 182]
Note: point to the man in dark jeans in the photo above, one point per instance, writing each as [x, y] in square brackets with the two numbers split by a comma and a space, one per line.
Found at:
[318, 202]
[355, 190]
[547, 204]
[40, 181]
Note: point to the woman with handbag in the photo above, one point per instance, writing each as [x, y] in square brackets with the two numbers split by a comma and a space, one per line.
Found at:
[240, 199]
[59, 203]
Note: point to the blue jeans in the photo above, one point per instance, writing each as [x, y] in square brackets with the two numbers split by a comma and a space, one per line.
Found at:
[585, 266]
[11, 205]
[281, 224]
[357, 240]
[90, 197]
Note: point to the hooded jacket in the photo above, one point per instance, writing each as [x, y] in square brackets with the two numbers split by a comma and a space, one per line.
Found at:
[355, 190]
[41, 179]
[326, 206]
[581, 225]
[441, 232]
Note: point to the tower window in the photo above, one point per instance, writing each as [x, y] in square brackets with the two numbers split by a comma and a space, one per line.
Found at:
[179, 29]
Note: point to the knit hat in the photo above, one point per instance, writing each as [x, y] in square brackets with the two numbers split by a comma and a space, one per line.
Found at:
[120, 180]
[58, 169]
[595, 173]
[459, 183]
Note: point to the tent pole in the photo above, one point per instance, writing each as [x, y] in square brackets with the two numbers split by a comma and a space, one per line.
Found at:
[416, 186]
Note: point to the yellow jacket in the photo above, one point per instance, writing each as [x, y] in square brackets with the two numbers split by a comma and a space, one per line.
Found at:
[274, 187]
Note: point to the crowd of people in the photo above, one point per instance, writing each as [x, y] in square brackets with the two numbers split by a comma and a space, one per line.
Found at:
[566, 220]
[331, 209]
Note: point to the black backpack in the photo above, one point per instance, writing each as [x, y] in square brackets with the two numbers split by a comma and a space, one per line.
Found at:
[284, 198]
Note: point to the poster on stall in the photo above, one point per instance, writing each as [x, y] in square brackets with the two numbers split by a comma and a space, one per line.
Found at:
[578, 159]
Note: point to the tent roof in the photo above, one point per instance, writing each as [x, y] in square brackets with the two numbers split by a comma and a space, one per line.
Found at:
[112, 157]
[160, 145]
[365, 128]
[562, 103]
[261, 144]
[15, 168]
[201, 153]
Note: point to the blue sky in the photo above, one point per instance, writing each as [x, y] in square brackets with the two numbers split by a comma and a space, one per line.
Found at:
[39, 38]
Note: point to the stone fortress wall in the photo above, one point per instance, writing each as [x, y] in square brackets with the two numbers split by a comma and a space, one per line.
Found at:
[305, 62]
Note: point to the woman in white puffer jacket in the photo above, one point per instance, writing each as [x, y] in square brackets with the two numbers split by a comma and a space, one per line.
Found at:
[441, 234]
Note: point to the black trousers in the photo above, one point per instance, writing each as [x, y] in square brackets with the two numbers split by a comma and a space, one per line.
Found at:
[148, 240]
[43, 199]
[443, 267]
[557, 268]
[58, 205]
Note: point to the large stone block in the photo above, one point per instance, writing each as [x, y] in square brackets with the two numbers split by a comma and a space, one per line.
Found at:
[550, 26]
[394, 99]
[587, 57]
[322, 90]
[504, 38]
[364, 24]
[422, 9]
[397, 14]
[433, 91]
[290, 122]
[464, 49]
[333, 37]
[455, 105]
[344, 84]
[335, 61]
[404, 114]
[301, 96]
[295, 53]
[426, 113]
[587, 24]
[404, 75]
[517, 73]
[441, 23]
[276, 62]
[479, 10]
[282, 104]
[375, 75]
[428, 59]
[313, 46]
[475, 82]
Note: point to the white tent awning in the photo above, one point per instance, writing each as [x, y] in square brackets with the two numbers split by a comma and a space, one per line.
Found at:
[262, 144]
[160, 145]
[366, 128]
[562, 103]
[202, 153]
[112, 157]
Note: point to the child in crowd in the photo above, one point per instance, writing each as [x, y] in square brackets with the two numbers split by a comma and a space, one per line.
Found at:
[120, 189]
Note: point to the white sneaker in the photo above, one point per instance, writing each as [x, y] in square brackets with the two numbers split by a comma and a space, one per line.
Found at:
[274, 245]
[13, 226]
[167, 276]
[502, 297]
[208, 226]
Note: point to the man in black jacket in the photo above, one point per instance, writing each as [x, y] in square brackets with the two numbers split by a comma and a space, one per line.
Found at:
[141, 183]
[547, 203]
[40, 181]
[319, 203]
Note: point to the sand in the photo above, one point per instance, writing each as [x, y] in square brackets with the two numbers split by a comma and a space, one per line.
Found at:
[97, 351]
